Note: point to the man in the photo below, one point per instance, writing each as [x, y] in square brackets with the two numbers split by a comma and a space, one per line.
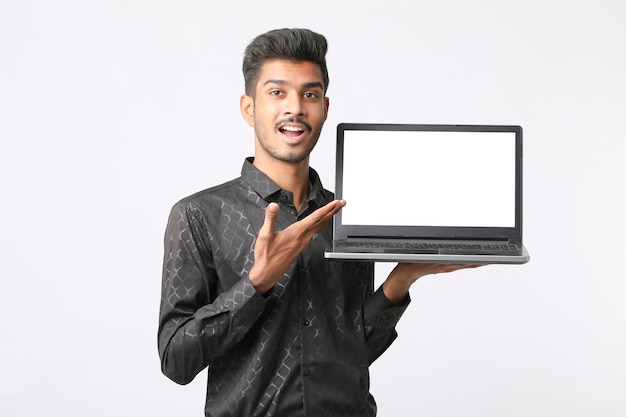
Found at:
[246, 290]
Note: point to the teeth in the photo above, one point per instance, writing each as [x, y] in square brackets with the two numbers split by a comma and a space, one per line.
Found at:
[292, 128]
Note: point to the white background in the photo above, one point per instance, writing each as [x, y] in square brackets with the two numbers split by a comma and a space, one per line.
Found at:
[110, 111]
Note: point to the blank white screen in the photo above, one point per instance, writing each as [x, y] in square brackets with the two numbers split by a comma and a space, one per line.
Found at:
[458, 179]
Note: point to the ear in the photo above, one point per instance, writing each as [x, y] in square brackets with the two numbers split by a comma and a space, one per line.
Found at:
[326, 105]
[246, 106]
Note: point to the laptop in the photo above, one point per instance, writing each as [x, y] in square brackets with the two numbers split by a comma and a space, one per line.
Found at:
[429, 193]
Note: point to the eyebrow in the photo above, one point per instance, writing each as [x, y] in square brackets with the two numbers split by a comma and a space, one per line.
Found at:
[313, 84]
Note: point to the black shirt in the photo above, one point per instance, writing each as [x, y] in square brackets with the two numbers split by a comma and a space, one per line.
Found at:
[301, 349]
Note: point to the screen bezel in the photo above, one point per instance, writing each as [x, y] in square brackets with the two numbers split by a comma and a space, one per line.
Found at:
[513, 234]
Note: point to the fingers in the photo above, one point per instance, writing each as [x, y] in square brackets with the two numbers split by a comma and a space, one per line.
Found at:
[455, 267]
[271, 213]
[323, 214]
[421, 269]
[320, 217]
[313, 223]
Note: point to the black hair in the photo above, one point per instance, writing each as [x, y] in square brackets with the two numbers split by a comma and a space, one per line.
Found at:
[290, 44]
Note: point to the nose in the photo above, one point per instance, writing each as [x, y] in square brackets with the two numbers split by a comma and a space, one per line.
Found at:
[294, 105]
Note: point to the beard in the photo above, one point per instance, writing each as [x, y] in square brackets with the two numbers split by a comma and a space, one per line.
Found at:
[292, 156]
[283, 152]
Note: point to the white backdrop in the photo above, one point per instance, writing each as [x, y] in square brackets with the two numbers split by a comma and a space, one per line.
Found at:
[110, 111]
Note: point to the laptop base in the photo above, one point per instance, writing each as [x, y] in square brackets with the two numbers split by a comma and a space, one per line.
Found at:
[425, 256]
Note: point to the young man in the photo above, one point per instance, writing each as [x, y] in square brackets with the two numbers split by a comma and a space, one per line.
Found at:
[246, 289]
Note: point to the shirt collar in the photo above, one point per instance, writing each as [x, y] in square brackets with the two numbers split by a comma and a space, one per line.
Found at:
[265, 187]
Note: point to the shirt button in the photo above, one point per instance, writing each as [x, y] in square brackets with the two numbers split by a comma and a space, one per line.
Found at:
[306, 322]
[307, 372]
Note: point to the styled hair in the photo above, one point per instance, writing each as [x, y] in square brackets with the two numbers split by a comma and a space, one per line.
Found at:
[290, 44]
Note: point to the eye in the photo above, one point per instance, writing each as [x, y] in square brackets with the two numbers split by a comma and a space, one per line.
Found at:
[310, 95]
[275, 92]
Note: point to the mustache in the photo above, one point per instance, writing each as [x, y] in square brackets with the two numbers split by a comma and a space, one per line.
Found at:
[295, 120]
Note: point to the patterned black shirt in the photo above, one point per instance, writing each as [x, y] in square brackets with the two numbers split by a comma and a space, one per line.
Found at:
[303, 348]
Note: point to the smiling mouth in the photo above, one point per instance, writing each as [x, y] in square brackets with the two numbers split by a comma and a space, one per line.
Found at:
[291, 131]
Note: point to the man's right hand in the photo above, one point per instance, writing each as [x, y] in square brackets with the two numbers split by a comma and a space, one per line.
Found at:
[275, 251]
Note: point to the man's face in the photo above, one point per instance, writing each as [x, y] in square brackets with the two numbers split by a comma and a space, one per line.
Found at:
[288, 111]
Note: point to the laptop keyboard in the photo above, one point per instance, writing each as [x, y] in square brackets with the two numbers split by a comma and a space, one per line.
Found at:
[468, 248]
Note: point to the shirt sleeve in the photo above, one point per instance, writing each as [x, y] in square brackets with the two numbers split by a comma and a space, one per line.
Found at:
[197, 325]
[381, 318]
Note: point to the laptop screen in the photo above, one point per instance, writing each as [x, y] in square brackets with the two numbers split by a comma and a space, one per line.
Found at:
[429, 177]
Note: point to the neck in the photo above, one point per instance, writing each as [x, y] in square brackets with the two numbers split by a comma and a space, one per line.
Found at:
[293, 177]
